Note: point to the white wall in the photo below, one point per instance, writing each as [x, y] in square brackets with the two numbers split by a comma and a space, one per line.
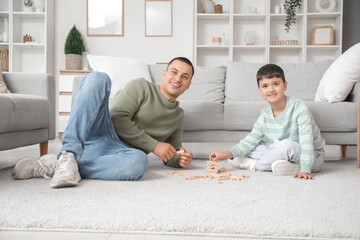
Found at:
[133, 44]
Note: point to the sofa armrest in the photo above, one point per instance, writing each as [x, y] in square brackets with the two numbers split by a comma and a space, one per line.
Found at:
[354, 95]
[41, 84]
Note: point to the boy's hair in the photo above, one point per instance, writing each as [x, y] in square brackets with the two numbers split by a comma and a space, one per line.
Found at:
[270, 71]
[185, 60]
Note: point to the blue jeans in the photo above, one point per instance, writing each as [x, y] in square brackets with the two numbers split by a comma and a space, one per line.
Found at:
[91, 136]
[266, 153]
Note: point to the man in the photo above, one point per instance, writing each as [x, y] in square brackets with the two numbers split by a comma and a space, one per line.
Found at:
[99, 143]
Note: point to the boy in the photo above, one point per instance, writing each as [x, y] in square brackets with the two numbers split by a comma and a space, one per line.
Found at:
[293, 138]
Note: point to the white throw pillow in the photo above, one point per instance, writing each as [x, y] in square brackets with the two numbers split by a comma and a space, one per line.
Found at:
[120, 70]
[340, 77]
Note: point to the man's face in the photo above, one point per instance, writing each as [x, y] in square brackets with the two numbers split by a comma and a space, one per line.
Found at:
[272, 89]
[176, 80]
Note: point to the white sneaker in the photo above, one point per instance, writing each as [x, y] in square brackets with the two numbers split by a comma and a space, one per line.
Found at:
[66, 172]
[284, 168]
[243, 163]
[28, 167]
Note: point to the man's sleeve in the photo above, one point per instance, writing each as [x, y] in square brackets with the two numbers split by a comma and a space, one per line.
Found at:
[123, 106]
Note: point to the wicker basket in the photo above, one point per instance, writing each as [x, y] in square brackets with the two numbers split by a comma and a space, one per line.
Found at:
[73, 62]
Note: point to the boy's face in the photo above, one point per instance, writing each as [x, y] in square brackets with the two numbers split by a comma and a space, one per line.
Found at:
[272, 89]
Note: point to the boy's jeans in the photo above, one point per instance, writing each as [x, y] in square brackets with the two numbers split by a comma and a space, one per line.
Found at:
[91, 136]
[266, 153]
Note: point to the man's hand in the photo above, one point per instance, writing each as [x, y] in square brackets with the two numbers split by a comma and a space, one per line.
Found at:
[216, 156]
[165, 151]
[185, 158]
[303, 175]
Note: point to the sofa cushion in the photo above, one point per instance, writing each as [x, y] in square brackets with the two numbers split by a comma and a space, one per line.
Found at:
[241, 115]
[120, 70]
[336, 117]
[24, 112]
[207, 84]
[340, 77]
[303, 80]
[202, 115]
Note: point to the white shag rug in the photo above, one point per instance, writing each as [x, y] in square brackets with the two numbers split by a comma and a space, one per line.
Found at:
[262, 205]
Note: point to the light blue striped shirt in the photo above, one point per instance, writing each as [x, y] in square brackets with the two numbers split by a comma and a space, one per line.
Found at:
[295, 123]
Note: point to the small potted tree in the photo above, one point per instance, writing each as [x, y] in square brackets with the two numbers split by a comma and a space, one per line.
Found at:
[74, 47]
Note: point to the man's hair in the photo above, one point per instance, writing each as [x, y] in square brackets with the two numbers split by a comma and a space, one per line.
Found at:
[270, 71]
[185, 60]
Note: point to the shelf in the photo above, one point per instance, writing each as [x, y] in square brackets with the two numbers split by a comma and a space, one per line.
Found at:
[35, 56]
[249, 16]
[274, 16]
[324, 15]
[29, 14]
[213, 46]
[25, 45]
[257, 47]
[286, 46]
[213, 16]
[268, 26]
[324, 47]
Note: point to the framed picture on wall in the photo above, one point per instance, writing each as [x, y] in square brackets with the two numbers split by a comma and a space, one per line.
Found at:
[105, 17]
[158, 18]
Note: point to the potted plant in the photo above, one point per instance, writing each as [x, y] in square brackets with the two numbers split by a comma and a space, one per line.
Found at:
[74, 47]
[28, 4]
[290, 8]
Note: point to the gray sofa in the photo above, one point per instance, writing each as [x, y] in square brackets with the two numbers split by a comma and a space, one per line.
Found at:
[28, 113]
[223, 103]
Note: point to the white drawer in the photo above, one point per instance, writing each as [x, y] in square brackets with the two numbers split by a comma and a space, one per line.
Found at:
[65, 83]
[62, 123]
[64, 103]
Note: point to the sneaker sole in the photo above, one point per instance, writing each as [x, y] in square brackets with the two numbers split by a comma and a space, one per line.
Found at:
[63, 183]
[285, 168]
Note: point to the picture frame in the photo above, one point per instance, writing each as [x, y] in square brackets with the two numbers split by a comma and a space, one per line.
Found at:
[209, 6]
[158, 18]
[105, 18]
[323, 35]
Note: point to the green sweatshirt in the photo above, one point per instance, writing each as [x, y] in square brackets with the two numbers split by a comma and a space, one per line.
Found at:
[142, 116]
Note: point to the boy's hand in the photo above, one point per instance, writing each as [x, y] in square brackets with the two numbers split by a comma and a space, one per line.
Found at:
[304, 176]
[219, 156]
[165, 151]
[185, 158]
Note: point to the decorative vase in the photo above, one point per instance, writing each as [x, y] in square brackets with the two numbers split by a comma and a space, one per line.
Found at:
[73, 62]
[250, 37]
[39, 5]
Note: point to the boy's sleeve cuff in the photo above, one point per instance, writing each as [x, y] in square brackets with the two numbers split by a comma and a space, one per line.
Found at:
[235, 152]
[306, 169]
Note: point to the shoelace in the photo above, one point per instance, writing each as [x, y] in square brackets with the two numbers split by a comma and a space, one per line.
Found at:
[64, 164]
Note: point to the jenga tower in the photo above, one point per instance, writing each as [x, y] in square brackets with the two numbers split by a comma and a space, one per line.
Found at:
[211, 167]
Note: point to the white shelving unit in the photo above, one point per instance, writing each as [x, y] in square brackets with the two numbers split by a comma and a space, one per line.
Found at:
[35, 56]
[236, 20]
